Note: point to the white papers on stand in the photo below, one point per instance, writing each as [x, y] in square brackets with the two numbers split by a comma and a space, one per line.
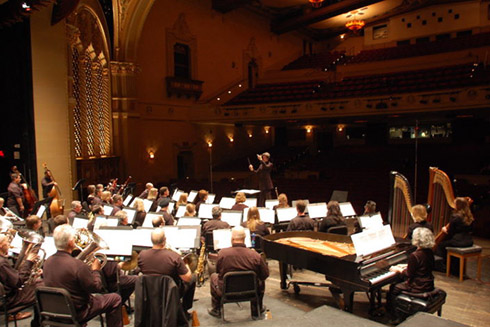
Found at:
[148, 222]
[346, 209]
[267, 215]
[269, 204]
[80, 223]
[371, 222]
[317, 210]
[248, 191]
[373, 240]
[180, 211]
[127, 200]
[286, 214]
[100, 221]
[192, 196]
[232, 217]
[222, 238]
[177, 194]
[111, 222]
[210, 198]
[171, 206]
[141, 237]
[147, 204]
[131, 213]
[189, 222]
[40, 211]
[182, 238]
[226, 202]
[171, 235]
[16, 244]
[117, 240]
[205, 210]
[48, 246]
[251, 202]
[108, 210]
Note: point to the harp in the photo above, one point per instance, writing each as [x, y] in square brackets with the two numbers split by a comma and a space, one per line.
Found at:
[400, 206]
[440, 198]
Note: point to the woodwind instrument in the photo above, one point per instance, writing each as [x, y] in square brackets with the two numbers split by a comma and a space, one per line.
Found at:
[123, 187]
[200, 264]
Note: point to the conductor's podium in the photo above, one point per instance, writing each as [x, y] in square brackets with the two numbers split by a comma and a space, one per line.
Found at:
[407, 304]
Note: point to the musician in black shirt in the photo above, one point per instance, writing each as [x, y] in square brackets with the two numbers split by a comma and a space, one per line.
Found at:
[334, 217]
[419, 216]
[302, 222]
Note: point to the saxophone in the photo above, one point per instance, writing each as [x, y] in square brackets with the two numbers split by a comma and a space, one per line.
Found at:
[200, 265]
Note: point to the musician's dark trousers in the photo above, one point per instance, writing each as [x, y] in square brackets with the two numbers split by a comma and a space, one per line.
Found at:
[264, 195]
[187, 291]
[216, 292]
[25, 296]
[110, 304]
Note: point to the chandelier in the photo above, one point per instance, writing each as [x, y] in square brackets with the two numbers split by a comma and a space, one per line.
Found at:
[355, 25]
[316, 3]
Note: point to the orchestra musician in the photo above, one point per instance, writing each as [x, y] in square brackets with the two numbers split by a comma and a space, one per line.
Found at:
[265, 181]
[80, 280]
[15, 199]
[153, 196]
[55, 222]
[106, 197]
[13, 280]
[254, 224]
[419, 216]
[160, 260]
[201, 197]
[334, 217]
[91, 195]
[215, 223]
[47, 183]
[190, 210]
[122, 216]
[302, 222]
[117, 202]
[4, 211]
[167, 216]
[96, 211]
[283, 201]
[237, 258]
[34, 223]
[417, 274]
[369, 208]
[240, 199]
[163, 195]
[140, 214]
[144, 194]
[181, 202]
[158, 221]
[76, 209]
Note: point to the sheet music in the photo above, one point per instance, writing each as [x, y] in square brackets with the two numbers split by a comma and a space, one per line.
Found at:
[182, 238]
[131, 213]
[16, 244]
[108, 210]
[192, 195]
[147, 204]
[222, 238]
[171, 206]
[232, 217]
[117, 240]
[148, 222]
[80, 223]
[177, 194]
[267, 215]
[210, 198]
[141, 237]
[111, 222]
[269, 204]
[48, 246]
[180, 211]
[226, 202]
[189, 222]
[317, 210]
[205, 210]
[346, 209]
[248, 191]
[370, 241]
[127, 200]
[371, 222]
[251, 202]
[99, 221]
[286, 214]
[40, 211]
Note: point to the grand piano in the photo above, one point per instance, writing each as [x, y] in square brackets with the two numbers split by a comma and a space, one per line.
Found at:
[334, 256]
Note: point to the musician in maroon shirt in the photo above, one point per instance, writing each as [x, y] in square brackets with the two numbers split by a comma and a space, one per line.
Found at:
[215, 223]
[80, 280]
[237, 258]
[15, 199]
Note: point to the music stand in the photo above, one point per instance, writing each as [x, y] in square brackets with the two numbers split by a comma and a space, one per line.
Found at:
[46, 202]
[339, 196]
[78, 187]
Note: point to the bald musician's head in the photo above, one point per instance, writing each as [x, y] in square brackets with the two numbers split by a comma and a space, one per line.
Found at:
[158, 238]
[158, 221]
[238, 235]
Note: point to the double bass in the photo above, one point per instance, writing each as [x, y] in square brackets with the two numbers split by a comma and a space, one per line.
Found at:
[57, 204]
[29, 194]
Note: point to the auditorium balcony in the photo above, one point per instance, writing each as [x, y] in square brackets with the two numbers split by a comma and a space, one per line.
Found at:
[325, 61]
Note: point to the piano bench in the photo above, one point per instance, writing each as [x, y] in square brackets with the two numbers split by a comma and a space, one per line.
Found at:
[463, 254]
[407, 304]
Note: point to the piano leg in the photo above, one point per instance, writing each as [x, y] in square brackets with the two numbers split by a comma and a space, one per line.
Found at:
[348, 299]
[283, 271]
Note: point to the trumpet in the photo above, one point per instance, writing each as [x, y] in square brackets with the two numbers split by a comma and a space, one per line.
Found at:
[89, 243]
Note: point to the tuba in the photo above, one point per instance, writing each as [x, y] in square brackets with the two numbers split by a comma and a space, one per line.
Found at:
[89, 243]
[31, 243]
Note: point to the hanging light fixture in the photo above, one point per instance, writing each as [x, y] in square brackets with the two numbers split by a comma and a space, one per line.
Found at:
[316, 3]
[355, 25]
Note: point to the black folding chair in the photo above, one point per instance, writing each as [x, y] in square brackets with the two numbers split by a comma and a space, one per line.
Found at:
[342, 230]
[240, 286]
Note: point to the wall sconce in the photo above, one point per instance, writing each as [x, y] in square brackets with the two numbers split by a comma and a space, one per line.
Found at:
[151, 154]
[210, 143]
[309, 129]
[340, 127]
[250, 134]
[267, 129]
[230, 137]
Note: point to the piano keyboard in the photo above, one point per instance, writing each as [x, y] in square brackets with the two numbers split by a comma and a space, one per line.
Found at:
[381, 276]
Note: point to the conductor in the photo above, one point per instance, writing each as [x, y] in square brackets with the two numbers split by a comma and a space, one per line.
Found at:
[265, 181]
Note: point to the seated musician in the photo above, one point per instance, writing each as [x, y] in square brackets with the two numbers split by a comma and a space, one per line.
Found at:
[254, 224]
[190, 210]
[55, 222]
[417, 274]
[160, 260]
[240, 199]
[419, 216]
[76, 208]
[96, 211]
[215, 223]
[283, 201]
[181, 202]
[80, 280]
[153, 196]
[163, 194]
[167, 216]
[106, 198]
[158, 221]
[13, 280]
[369, 208]
[126, 282]
[91, 195]
[201, 197]
[140, 215]
[144, 194]
[237, 258]
[4, 211]
[117, 202]
[34, 223]
[122, 218]
[302, 222]
[334, 217]
[458, 231]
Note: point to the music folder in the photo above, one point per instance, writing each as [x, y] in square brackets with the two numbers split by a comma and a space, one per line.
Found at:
[267, 215]
[210, 198]
[147, 204]
[222, 238]
[269, 204]
[371, 222]
[192, 196]
[127, 200]
[317, 210]
[177, 194]
[286, 214]
[108, 209]
[346, 209]
[117, 240]
[80, 222]
[131, 212]
[180, 211]
[205, 210]
[232, 217]
[48, 246]
[226, 202]
[171, 206]
[40, 211]
[181, 238]
[373, 240]
[251, 202]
